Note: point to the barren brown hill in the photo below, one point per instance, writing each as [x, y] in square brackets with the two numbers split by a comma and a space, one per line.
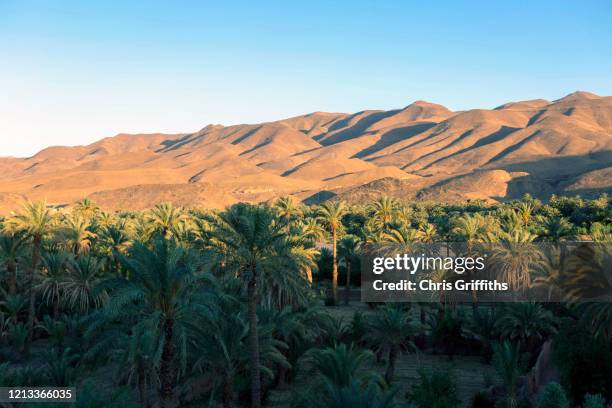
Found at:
[423, 151]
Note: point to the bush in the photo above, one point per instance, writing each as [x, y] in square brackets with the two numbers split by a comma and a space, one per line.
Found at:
[553, 396]
[437, 389]
[595, 401]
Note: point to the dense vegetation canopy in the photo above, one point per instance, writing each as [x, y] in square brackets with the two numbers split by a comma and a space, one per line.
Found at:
[257, 305]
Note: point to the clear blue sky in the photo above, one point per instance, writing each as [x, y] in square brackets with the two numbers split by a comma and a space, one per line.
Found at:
[73, 72]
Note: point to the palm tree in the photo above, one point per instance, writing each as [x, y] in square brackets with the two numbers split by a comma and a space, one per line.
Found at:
[402, 239]
[390, 330]
[527, 323]
[11, 246]
[105, 219]
[250, 242]
[164, 295]
[589, 284]
[383, 211]
[222, 347]
[428, 233]
[136, 358]
[341, 365]
[164, 217]
[509, 366]
[312, 230]
[485, 325]
[13, 306]
[525, 211]
[76, 233]
[291, 328]
[342, 380]
[288, 208]
[304, 236]
[86, 208]
[83, 287]
[557, 229]
[349, 247]
[331, 213]
[54, 273]
[472, 229]
[142, 229]
[114, 240]
[404, 214]
[35, 220]
[514, 257]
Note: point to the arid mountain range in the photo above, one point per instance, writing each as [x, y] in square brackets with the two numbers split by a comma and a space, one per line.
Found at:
[423, 151]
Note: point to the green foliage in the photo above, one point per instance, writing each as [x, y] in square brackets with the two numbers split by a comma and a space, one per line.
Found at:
[18, 335]
[436, 389]
[14, 307]
[484, 327]
[341, 380]
[153, 308]
[526, 323]
[595, 401]
[584, 361]
[21, 376]
[509, 364]
[331, 329]
[89, 395]
[61, 367]
[390, 331]
[553, 396]
[358, 327]
[447, 329]
[342, 364]
[56, 330]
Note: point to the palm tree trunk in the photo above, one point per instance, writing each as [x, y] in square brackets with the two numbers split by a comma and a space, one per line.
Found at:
[55, 307]
[11, 268]
[422, 314]
[391, 364]
[282, 376]
[167, 372]
[32, 303]
[474, 302]
[142, 386]
[254, 340]
[347, 289]
[228, 392]
[334, 268]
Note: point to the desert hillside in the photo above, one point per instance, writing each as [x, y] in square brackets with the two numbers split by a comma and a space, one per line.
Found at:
[423, 151]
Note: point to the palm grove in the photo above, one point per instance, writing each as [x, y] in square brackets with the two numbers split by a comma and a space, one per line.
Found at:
[172, 307]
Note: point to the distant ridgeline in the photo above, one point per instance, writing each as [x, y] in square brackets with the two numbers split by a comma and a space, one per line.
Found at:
[421, 152]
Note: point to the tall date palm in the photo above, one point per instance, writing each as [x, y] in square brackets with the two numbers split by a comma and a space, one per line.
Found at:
[11, 246]
[331, 214]
[35, 220]
[250, 242]
[164, 294]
